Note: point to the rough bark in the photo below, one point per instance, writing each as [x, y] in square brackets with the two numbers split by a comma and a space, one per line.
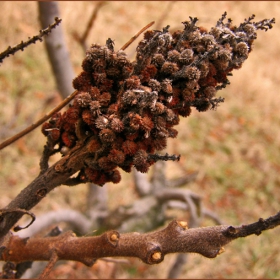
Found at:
[149, 247]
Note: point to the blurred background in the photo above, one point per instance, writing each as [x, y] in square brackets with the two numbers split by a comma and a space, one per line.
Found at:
[235, 149]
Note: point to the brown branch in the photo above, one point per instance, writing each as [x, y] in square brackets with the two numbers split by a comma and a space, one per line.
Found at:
[11, 50]
[136, 35]
[149, 247]
[39, 122]
[53, 177]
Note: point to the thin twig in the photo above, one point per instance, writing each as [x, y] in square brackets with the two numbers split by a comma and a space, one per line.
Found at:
[11, 50]
[39, 122]
[91, 21]
[136, 35]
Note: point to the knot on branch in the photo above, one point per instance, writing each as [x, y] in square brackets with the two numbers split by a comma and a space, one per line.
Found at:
[113, 237]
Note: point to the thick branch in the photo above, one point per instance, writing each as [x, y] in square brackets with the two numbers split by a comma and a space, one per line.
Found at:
[149, 247]
[55, 176]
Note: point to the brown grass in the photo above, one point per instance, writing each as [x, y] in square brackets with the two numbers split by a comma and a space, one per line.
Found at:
[236, 149]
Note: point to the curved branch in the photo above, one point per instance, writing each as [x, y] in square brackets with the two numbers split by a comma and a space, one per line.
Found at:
[149, 247]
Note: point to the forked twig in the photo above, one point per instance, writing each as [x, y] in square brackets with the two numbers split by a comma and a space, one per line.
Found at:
[39, 122]
[136, 35]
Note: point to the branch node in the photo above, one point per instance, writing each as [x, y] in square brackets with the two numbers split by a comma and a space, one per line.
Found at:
[113, 237]
[183, 224]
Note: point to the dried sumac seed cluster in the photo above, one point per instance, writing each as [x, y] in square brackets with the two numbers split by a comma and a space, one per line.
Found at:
[127, 110]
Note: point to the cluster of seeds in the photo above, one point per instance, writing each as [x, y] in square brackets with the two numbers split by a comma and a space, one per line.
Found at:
[127, 110]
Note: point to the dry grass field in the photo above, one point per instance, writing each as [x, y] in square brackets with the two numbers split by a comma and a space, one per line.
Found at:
[235, 149]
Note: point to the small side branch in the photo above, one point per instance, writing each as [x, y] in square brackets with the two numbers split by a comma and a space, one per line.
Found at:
[21, 46]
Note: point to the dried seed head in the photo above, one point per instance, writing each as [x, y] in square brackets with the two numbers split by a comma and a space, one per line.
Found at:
[115, 176]
[224, 55]
[155, 85]
[129, 147]
[107, 135]
[250, 29]
[158, 60]
[132, 82]
[169, 68]
[129, 98]
[101, 122]
[116, 156]
[54, 134]
[45, 128]
[95, 108]
[166, 86]
[204, 69]
[94, 93]
[82, 82]
[160, 143]
[83, 99]
[91, 174]
[158, 109]
[192, 73]
[72, 115]
[135, 121]
[242, 49]
[105, 164]
[188, 95]
[99, 77]
[193, 85]
[147, 125]
[172, 133]
[88, 117]
[186, 56]
[209, 92]
[69, 139]
[104, 99]
[173, 56]
[140, 158]
[116, 125]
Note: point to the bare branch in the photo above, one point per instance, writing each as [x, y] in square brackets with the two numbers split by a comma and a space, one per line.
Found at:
[149, 247]
[21, 46]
